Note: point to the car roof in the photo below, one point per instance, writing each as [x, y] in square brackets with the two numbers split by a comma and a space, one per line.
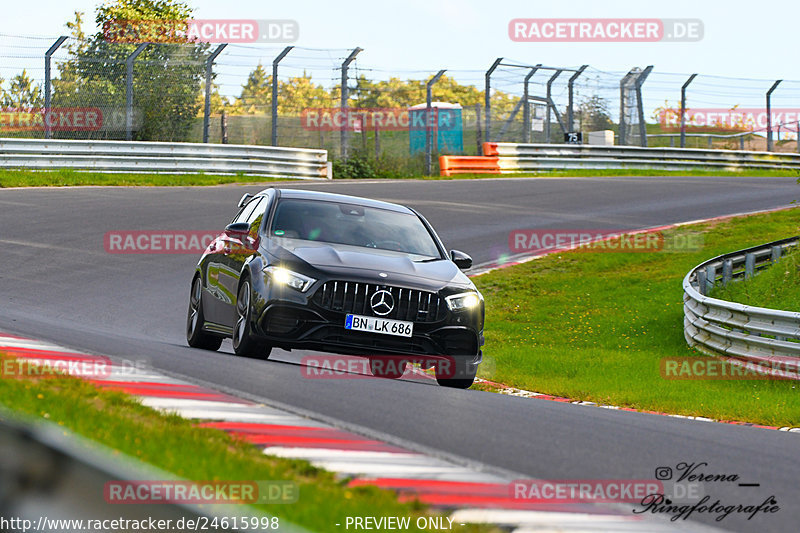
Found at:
[303, 194]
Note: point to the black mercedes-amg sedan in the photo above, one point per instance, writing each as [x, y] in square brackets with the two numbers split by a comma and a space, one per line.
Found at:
[341, 274]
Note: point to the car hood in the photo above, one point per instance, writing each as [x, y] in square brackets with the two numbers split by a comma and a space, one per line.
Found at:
[354, 262]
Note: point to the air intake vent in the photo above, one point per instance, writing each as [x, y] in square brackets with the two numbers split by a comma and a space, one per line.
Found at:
[354, 297]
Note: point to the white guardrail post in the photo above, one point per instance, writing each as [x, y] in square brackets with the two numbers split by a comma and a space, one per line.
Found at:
[139, 156]
[747, 333]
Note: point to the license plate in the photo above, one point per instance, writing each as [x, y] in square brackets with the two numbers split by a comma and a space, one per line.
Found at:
[375, 324]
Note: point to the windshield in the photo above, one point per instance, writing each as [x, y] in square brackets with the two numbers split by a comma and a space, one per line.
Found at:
[354, 225]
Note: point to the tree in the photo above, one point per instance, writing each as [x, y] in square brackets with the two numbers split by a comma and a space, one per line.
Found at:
[257, 91]
[295, 94]
[594, 115]
[167, 77]
[22, 93]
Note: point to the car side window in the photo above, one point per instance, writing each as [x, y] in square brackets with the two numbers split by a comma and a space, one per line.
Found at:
[257, 212]
[246, 214]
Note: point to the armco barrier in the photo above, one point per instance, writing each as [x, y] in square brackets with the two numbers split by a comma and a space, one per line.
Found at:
[506, 158]
[137, 156]
[49, 475]
[748, 333]
[449, 165]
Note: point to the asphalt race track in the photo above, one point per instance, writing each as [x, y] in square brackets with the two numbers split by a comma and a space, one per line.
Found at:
[57, 283]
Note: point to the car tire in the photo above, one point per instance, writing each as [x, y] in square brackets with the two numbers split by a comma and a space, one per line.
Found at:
[243, 342]
[460, 377]
[387, 367]
[195, 336]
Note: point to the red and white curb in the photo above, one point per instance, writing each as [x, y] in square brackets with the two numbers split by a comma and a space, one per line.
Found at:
[522, 393]
[467, 495]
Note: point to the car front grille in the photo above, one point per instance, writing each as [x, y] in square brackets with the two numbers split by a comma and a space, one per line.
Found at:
[354, 297]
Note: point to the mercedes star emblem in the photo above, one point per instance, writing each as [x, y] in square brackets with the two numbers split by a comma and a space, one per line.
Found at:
[382, 302]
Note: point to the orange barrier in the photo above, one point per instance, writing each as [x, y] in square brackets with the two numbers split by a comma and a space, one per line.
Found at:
[490, 149]
[468, 164]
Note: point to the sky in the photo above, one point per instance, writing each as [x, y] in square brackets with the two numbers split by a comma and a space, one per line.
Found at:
[742, 38]
[416, 38]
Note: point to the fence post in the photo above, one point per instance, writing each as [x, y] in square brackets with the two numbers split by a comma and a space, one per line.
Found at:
[207, 105]
[549, 102]
[377, 141]
[769, 114]
[129, 90]
[570, 123]
[343, 135]
[701, 282]
[711, 276]
[749, 265]
[275, 93]
[727, 271]
[526, 111]
[47, 56]
[623, 87]
[479, 134]
[776, 254]
[223, 126]
[428, 124]
[642, 126]
[487, 98]
[683, 109]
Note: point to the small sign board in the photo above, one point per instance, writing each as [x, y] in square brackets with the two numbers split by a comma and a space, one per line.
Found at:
[573, 137]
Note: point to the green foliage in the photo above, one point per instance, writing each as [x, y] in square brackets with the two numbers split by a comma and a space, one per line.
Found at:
[594, 115]
[22, 92]
[167, 77]
[596, 326]
[296, 94]
[354, 168]
[777, 287]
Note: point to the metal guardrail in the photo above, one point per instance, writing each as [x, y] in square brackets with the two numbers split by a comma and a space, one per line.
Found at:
[513, 157]
[47, 473]
[137, 156]
[753, 334]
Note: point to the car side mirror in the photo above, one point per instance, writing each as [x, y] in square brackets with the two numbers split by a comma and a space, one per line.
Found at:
[243, 201]
[462, 260]
[237, 229]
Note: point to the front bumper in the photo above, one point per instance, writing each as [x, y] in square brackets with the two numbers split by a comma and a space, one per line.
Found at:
[287, 325]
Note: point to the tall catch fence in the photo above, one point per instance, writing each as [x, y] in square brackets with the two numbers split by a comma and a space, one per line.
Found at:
[337, 100]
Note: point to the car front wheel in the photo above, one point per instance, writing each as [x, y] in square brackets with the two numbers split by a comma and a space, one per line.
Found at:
[243, 342]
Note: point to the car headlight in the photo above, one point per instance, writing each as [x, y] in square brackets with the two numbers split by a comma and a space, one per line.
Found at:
[283, 276]
[465, 300]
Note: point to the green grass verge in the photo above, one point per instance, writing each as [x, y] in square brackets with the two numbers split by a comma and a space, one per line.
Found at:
[776, 287]
[176, 445]
[595, 326]
[69, 177]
